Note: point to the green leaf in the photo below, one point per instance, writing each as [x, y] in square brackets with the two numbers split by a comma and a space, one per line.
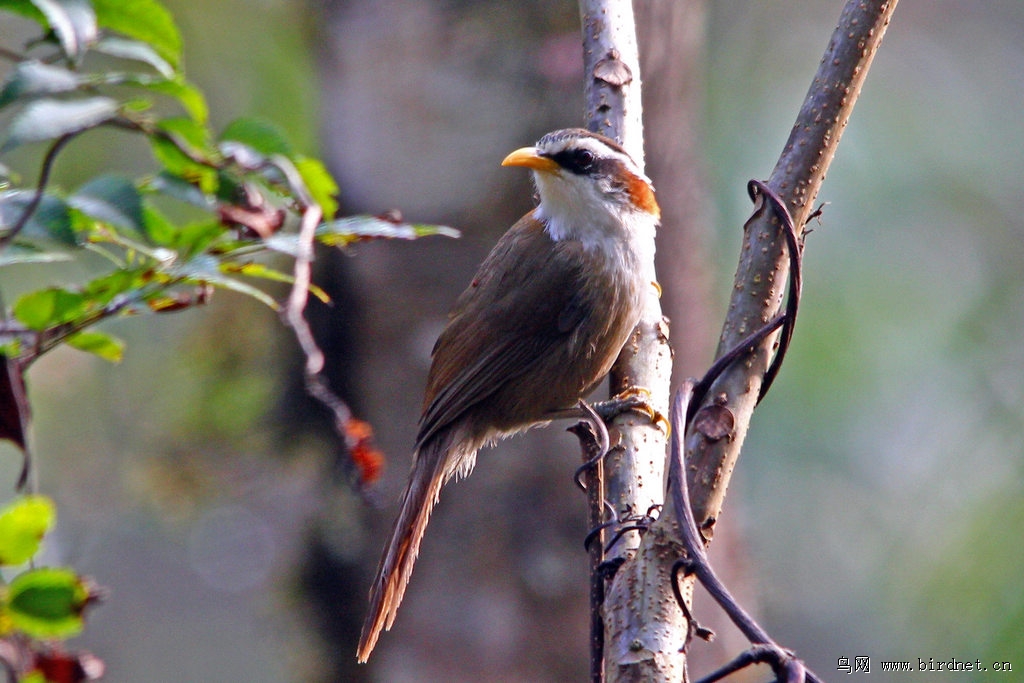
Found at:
[33, 78]
[74, 23]
[231, 284]
[48, 307]
[193, 238]
[189, 131]
[196, 137]
[159, 229]
[259, 270]
[187, 95]
[28, 253]
[190, 97]
[100, 344]
[178, 188]
[49, 118]
[263, 136]
[47, 602]
[111, 199]
[51, 219]
[206, 269]
[135, 50]
[101, 291]
[344, 231]
[23, 523]
[283, 243]
[231, 188]
[145, 20]
[320, 183]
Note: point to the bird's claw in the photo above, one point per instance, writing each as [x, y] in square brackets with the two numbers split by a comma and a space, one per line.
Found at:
[631, 400]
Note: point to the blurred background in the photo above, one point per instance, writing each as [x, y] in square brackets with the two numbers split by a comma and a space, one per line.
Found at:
[877, 509]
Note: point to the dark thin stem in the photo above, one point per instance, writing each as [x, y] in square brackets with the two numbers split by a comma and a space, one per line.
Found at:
[16, 387]
[757, 654]
[697, 562]
[722, 363]
[595, 443]
[149, 129]
[622, 531]
[37, 197]
[760, 191]
[11, 56]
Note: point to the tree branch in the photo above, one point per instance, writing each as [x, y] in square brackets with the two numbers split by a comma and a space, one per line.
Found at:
[635, 466]
[611, 65]
[763, 267]
[644, 639]
[37, 195]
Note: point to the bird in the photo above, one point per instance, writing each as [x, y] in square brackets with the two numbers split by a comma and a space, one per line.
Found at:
[538, 327]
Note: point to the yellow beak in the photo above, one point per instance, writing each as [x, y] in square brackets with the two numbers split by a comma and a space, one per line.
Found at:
[530, 158]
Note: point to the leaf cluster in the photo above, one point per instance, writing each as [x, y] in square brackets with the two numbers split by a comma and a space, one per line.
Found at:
[243, 188]
[39, 606]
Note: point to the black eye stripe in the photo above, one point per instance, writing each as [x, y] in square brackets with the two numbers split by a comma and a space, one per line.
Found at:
[579, 161]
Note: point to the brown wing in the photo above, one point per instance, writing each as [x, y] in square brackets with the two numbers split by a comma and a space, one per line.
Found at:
[511, 325]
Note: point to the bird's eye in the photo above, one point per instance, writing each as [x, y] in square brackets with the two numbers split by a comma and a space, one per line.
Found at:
[584, 159]
[578, 161]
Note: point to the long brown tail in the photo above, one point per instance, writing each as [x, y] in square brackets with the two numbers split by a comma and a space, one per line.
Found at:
[430, 470]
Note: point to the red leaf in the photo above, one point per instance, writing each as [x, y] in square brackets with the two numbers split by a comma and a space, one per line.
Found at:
[368, 460]
[14, 411]
[69, 667]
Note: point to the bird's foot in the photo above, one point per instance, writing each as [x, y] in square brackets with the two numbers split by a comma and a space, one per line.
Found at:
[632, 400]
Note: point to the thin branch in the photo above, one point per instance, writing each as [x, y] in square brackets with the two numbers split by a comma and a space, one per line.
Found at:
[147, 127]
[37, 196]
[759, 192]
[352, 432]
[53, 337]
[723, 362]
[761, 654]
[595, 443]
[696, 560]
[299, 295]
[764, 198]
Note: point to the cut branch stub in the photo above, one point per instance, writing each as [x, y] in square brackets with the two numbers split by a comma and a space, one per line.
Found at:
[715, 421]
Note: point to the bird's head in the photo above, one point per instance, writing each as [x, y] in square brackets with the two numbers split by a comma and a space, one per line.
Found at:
[589, 186]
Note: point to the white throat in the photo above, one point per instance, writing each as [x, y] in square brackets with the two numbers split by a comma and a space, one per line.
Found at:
[608, 226]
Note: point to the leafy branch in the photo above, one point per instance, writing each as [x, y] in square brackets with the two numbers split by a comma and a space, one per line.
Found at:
[220, 210]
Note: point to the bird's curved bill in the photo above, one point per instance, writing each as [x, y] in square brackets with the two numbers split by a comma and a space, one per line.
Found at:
[530, 158]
